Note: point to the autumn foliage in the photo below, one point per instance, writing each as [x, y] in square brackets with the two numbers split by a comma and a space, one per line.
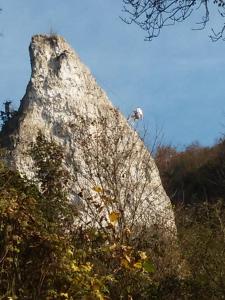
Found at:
[47, 253]
[196, 174]
[44, 254]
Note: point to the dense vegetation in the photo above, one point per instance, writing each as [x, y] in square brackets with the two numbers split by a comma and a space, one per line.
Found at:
[194, 175]
[194, 179]
[46, 254]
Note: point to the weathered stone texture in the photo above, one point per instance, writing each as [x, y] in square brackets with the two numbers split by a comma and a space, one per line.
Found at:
[65, 103]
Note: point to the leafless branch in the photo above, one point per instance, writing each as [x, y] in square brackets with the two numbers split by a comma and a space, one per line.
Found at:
[152, 15]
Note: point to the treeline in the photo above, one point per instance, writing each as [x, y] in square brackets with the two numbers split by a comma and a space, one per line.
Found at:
[194, 179]
[194, 175]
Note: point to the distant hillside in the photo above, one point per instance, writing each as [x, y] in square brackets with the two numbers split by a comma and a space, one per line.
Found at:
[194, 175]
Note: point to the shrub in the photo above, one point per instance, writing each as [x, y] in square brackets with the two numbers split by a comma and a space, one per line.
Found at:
[45, 254]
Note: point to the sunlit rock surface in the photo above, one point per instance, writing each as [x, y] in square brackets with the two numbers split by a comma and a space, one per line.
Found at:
[65, 103]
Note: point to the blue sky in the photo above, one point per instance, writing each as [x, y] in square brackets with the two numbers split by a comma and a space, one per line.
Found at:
[178, 78]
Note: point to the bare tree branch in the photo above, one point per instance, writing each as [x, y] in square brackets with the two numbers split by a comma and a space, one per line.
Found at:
[152, 15]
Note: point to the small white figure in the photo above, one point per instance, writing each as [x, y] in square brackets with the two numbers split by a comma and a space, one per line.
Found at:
[137, 114]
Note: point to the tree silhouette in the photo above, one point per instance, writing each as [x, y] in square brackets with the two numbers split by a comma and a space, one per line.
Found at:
[152, 15]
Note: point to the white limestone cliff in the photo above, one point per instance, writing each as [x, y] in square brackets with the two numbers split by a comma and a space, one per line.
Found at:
[64, 102]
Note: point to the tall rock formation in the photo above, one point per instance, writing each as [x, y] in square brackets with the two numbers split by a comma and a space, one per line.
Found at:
[111, 170]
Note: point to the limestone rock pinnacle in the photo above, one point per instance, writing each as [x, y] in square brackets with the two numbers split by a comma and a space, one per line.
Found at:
[65, 103]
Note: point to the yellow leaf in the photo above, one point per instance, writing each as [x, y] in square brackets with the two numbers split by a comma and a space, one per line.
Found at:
[99, 295]
[87, 267]
[97, 189]
[127, 257]
[126, 248]
[138, 265]
[143, 255]
[113, 247]
[125, 263]
[74, 267]
[70, 252]
[113, 217]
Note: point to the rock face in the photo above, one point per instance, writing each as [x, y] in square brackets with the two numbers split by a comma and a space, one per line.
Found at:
[107, 160]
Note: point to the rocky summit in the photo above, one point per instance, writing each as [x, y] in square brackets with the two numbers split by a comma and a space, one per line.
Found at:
[109, 165]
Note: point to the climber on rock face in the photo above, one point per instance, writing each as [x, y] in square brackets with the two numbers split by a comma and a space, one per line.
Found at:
[137, 114]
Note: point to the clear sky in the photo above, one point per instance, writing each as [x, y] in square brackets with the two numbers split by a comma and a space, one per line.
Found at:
[178, 78]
